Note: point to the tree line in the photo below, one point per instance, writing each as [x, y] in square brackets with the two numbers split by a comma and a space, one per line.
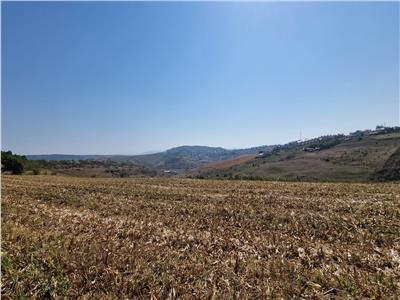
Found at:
[17, 164]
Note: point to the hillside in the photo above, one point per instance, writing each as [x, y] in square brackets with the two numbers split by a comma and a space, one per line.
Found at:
[179, 159]
[185, 158]
[355, 159]
[229, 162]
[390, 170]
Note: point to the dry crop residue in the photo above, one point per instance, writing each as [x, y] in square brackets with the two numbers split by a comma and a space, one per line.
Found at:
[185, 238]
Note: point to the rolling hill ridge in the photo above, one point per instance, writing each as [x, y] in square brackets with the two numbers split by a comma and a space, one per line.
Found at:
[360, 156]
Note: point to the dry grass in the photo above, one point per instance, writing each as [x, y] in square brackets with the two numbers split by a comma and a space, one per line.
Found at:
[222, 164]
[166, 239]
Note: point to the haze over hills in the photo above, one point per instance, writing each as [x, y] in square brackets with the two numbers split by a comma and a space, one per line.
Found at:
[51, 157]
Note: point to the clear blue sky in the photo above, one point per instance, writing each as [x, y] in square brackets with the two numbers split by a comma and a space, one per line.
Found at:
[126, 78]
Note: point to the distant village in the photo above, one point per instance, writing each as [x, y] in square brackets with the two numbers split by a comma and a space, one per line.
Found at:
[328, 141]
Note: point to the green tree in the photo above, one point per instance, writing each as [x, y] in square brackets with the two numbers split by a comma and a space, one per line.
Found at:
[12, 162]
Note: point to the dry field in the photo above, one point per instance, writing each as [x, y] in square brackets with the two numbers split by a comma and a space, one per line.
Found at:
[229, 162]
[198, 239]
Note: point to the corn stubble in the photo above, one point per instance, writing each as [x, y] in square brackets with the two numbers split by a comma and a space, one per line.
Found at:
[204, 239]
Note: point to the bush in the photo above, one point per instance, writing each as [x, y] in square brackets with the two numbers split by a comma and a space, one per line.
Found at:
[123, 174]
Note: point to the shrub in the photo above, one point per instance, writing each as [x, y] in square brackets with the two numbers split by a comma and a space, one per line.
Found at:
[123, 174]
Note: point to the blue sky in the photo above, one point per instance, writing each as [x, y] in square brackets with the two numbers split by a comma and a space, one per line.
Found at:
[130, 77]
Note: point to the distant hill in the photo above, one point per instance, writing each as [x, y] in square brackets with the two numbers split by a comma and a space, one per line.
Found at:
[362, 155]
[179, 159]
[189, 157]
[60, 157]
[337, 159]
